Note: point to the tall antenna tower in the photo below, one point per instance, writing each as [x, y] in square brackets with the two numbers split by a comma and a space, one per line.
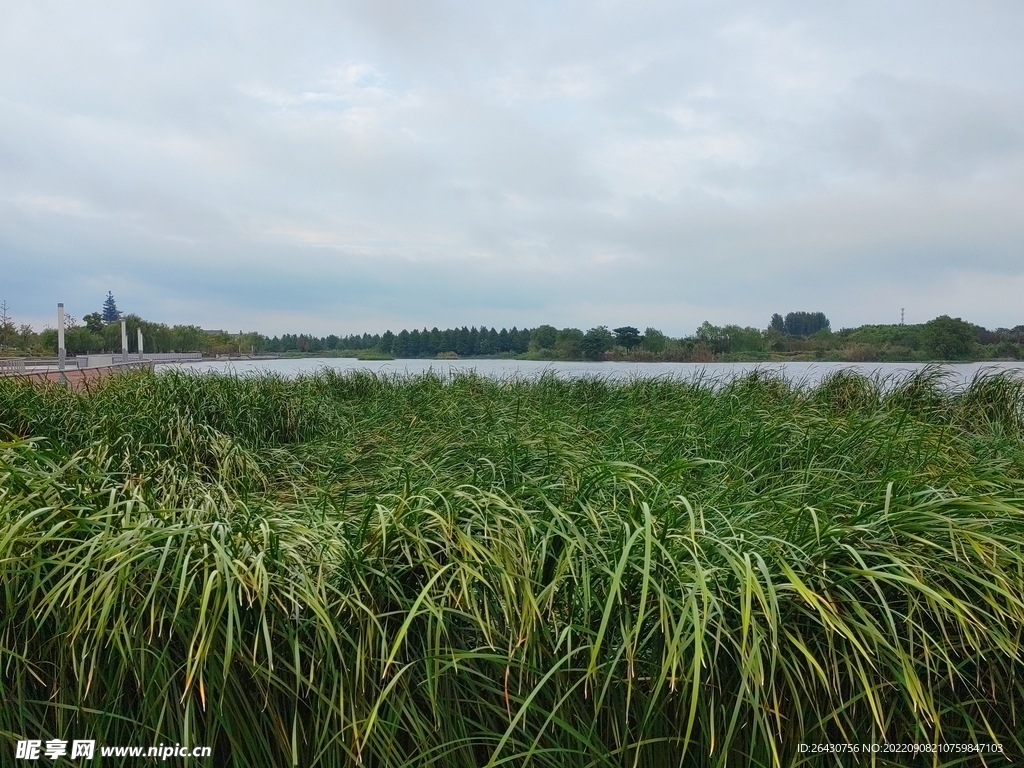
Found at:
[902, 310]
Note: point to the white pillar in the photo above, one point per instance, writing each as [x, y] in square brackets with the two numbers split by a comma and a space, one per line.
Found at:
[60, 339]
[124, 343]
[139, 330]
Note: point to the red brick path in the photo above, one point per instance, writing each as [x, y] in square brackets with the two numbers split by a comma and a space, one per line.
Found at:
[77, 378]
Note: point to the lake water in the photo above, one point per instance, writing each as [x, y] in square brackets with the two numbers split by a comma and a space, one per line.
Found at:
[804, 372]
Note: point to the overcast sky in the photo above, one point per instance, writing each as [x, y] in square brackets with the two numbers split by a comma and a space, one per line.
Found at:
[337, 167]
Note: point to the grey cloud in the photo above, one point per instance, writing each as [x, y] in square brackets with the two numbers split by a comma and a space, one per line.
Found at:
[344, 167]
[911, 129]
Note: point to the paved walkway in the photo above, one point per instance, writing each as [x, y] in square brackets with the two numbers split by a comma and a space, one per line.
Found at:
[81, 378]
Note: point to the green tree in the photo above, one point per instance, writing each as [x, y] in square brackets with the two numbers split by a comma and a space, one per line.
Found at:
[947, 338]
[567, 343]
[543, 337]
[415, 343]
[654, 341]
[775, 339]
[386, 342]
[428, 346]
[186, 338]
[596, 342]
[713, 337]
[111, 314]
[81, 340]
[94, 322]
[248, 343]
[805, 323]
[26, 339]
[627, 336]
[401, 347]
[463, 342]
[744, 339]
[112, 337]
[48, 340]
[777, 323]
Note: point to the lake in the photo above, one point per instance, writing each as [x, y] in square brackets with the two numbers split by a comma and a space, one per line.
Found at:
[803, 372]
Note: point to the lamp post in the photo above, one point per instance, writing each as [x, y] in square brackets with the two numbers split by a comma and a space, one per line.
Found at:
[60, 343]
[124, 343]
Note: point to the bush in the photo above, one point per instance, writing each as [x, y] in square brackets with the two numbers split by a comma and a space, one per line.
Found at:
[947, 338]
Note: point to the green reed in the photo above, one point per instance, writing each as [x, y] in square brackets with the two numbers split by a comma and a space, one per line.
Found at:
[349, 569]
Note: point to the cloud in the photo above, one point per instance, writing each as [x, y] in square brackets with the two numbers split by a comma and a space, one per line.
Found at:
[341, 167]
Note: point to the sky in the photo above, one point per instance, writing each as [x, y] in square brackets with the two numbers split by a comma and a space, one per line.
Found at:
[341, 167]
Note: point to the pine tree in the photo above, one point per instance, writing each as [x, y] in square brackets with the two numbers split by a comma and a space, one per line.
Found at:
[111, 314]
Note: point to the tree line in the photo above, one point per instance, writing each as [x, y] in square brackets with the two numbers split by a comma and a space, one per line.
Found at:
[802, 336]
[797, 336]
[99, 332]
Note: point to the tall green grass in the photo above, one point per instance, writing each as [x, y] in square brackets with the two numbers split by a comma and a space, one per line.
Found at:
[363, 570]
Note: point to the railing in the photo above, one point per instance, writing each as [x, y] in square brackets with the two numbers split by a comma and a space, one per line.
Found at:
[170, 357]
[10, 366]
[158, 357]
[147, 365]
[18, 366]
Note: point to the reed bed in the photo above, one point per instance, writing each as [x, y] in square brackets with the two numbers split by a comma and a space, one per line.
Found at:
[344, 570]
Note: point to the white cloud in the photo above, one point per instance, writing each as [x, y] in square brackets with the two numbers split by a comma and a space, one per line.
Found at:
[571, 83]
[351, 166]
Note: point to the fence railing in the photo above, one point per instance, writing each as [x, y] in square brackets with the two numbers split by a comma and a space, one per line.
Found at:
[156, 357]
[147, 365]
[170, 357]
[20, 365]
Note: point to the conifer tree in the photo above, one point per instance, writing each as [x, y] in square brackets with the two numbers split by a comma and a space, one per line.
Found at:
[111, 314]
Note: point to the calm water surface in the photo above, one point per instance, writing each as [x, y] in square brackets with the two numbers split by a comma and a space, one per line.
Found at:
[802, 372]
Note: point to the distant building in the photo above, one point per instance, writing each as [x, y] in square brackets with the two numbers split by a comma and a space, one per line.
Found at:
[214, 333]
